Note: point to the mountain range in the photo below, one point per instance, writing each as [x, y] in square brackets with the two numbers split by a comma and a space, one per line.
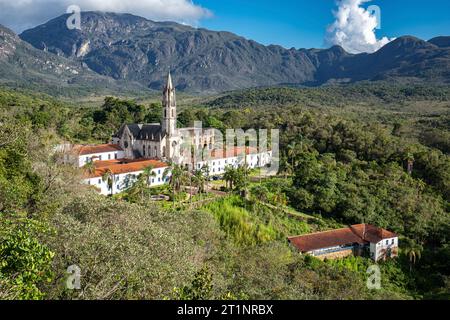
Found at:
[23, 66]
[117, 49]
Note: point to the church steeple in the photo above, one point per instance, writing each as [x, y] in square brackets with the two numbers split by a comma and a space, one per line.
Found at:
[169, 84]
[169, 123]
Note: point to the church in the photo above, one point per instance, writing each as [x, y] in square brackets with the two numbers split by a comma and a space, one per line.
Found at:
[136, 147]
[161, 141]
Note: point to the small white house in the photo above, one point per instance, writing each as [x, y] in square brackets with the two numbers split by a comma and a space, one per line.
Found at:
[384, 248]
[124, 175]
[80, 155]
[357, 239]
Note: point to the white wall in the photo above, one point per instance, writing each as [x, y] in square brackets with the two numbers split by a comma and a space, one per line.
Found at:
[84, 159]
[376, 249]
[217, 166]
[125, 181]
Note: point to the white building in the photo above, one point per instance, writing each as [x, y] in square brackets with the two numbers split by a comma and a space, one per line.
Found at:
[124, 173]
[384, 248]
[137, 146]
[80, 155]
[218, 160]
[358, 239]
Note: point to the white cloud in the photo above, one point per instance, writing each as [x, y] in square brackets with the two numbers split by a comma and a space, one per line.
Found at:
[22, 14]
[354, 28]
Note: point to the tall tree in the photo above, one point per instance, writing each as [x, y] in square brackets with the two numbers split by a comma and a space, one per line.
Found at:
[413, 251]
[108, 177]
[177, 176]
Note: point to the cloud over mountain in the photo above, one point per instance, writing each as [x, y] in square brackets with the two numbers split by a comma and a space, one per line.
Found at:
[354, 28]
[22, 14]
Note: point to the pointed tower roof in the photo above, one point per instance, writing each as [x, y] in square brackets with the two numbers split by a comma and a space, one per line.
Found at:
[169, 84]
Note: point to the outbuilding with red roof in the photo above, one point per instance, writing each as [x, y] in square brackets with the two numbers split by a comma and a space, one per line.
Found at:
[355, 239]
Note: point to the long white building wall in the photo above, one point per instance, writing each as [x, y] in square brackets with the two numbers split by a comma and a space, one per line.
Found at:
[217, 166]
[125, 181]
[104, 156]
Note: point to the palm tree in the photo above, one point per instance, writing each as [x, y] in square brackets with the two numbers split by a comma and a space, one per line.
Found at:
[178, 176]
[229, 176]
[413, 251]
[199, 180]
[108, 177]
[138, 188]
[143, 182]
[205, 171]
[148, 174]
[242, 174]
[90, 167]
[292, 152]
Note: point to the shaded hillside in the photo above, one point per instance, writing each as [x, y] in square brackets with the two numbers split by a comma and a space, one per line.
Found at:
[330, 95]
[21, 65]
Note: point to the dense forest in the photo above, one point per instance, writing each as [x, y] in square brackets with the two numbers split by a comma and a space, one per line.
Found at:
[364, 153]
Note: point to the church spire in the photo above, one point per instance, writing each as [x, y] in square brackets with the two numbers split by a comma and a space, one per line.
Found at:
[169, 123]
[169, 84]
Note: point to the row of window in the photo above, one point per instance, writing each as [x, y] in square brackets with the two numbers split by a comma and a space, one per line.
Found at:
[149, 151]
[392, 241]
[198, 141]
[234, 161]
[133, 177]
[100, 157]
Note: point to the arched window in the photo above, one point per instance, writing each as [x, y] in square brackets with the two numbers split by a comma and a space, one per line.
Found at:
[164, 152]
[156, 152]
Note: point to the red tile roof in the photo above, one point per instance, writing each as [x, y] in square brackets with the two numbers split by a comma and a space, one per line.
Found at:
[107, 163]
[94, 149]
[371, 233]
[234, 152]
[360, 234]
[125, 166]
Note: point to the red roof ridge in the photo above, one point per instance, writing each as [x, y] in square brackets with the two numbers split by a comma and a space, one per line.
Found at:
[341, 236]
[95, 148]
[131, 166]
[318, 232]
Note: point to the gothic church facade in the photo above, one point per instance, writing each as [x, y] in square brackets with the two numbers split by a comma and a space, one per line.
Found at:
[161, 141]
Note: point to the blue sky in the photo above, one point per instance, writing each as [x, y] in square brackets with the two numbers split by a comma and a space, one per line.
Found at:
[303, 23]
[290, 23]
